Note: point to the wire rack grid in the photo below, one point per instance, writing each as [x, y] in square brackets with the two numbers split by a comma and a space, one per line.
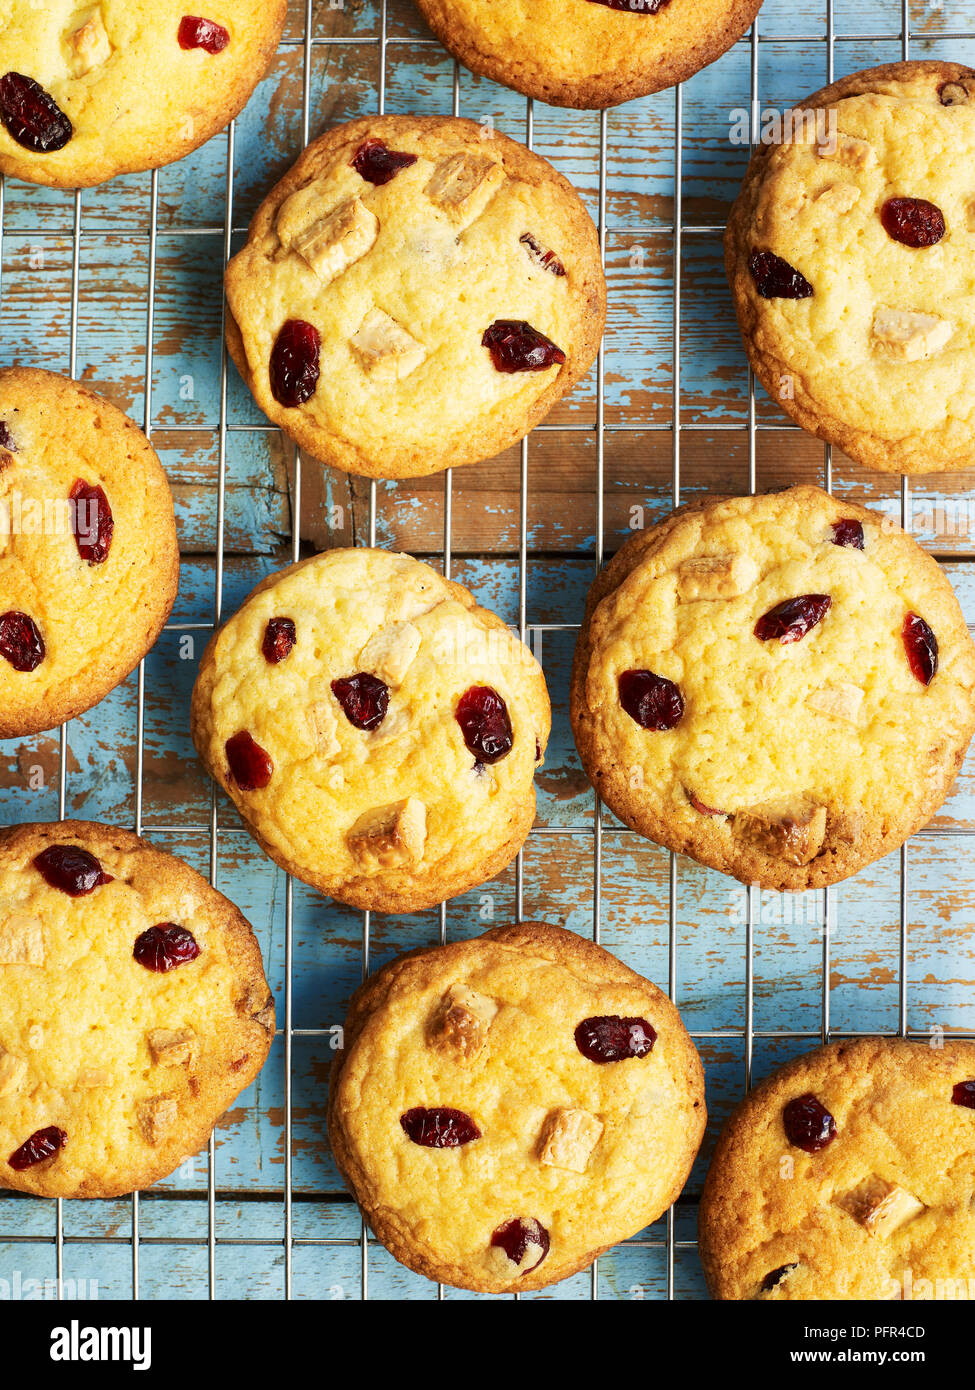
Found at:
[747, 1034]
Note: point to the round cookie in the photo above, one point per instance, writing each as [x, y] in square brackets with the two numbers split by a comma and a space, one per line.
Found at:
[847, 1174]
[849, 255]
[416, 293]
[588, 53]
[133, 1010]
[89, 560]
[377, 731]
[507, 1108]
[724, 650]
[103, 89]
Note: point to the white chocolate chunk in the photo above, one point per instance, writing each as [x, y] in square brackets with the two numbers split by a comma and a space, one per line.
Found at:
[157, 1115]
[848, 150]
[461, 1022]
[716, 576]
[324, 727]
[92, 1079]
[387, 837]
[21, 940]
[332, 243]
[789, 830]
[909, 336]
[12, 1072]
[970, 215]
[389, 652]
[881, 1207]
[90, 45]
[384, 348]
[838, 198]
[840, 701]
[568, 1139]
[171, 1047]
[463, 184]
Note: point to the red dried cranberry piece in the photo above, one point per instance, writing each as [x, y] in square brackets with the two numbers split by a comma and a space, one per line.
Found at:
[250, 766]
[31, 116]
[548, 260]
[517, 347]
[439, 1127]
[164, 947]
[791, 620]
[43, 1143]
[700, 807]
[963, 1093]
[633, 6]
[294, 368]
[377, 163]
[71, 869]
[485, 723]
[364, 699]
[849, 533]
[775, 1276]
[280, 636]
[195, 32]
[777, 279]
[921, 646]
[516, 1236]
[94, 525]
[808, 1125]
[6, 438]
[653, 701]
[610, 1038]
[21, 642]
[913, 221]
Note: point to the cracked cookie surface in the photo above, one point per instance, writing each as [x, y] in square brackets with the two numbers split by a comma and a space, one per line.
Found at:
[779, 686]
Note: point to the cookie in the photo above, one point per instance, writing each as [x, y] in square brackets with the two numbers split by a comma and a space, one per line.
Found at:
[849, 255]
[91, 91]
[133, 1010]
[377, 731]
[779, 686]
[507, 1108]
[89, 561]
[588, 53]
[848, 1174]
[416, 293]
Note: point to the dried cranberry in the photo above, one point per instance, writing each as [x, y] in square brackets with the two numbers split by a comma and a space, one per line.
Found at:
[94, 529]
[6, 438]
[164, 947]
[364, 699]
[849, 533]
[700, 807]
[921, 646]
[777, 279]
[484, 721]
[72, 870]
[202, 33]
[963, 1093]
[517, 1236]
[548, 260]
[791, 620]
[612, 1039]
[517, 347]
[439, 1127]
[653, 701]
[21, 641]
[31, 116]
[250, 766]
[913, 221]
[295, 369]
[775, 1276]
[43, 1143]
[808, 1125]
[279, 638]
[377, 163]
[633, 6]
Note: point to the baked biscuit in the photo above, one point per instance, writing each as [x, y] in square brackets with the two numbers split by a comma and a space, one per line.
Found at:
[507, 1108]
[588, 53]
[416, 293]
[89, 561]
[779, 686]
[94, 90]
[377, 731]
[849, 255]
[848, 1174]
[133, 1010]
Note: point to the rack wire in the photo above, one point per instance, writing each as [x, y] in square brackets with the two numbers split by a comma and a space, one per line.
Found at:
[289, 1242]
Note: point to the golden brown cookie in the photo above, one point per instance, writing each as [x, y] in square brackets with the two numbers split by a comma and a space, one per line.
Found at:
[133, 1010]
[507, 1108]
[848, 1174]
[416, 293]
[849, 254]
[89, 561]
[724, 650]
